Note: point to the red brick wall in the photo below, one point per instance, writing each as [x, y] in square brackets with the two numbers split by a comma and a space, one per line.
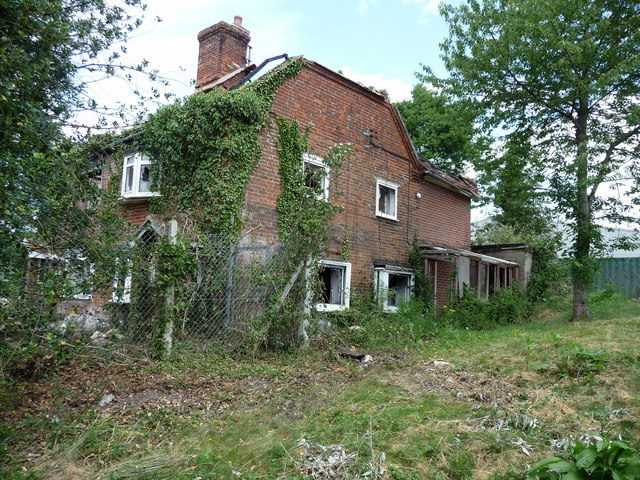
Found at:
[223, 48]
[340, 112]
[137, 213]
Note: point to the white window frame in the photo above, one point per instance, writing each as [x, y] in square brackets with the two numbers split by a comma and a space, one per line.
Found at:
[125, 297]
[395, 187]
[74, 277]
[317, 161]
[346, 286]
[382, 286]
[88, 271]
[139, 160]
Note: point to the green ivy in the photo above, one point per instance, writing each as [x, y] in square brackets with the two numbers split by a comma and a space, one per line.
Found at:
[303, 214]
[207, 147]
[423, 283]
[304, 220]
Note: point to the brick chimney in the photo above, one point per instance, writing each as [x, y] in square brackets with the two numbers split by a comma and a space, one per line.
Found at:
[223, 49]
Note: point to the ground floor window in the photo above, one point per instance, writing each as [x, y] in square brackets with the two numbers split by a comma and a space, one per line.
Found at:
[335, 283]
[122, 282]
[393, 288]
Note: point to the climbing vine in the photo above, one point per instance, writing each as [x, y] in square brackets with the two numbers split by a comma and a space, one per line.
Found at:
[304, 219]
[304, 214]
[423, 283]
[206, 148]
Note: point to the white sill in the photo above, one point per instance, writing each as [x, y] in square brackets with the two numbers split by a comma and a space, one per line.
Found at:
[388, 217]
[81, 296]
[125, 196]
[330, 307]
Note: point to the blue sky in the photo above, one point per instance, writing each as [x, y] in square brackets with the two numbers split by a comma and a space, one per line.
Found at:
[377, 42]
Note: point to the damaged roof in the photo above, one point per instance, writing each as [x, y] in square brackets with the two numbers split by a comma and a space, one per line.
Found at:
[441, 252]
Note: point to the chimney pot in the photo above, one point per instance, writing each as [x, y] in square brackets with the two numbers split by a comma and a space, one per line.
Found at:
[237, 20]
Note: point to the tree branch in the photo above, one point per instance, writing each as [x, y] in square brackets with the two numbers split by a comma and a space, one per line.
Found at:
[609, 157]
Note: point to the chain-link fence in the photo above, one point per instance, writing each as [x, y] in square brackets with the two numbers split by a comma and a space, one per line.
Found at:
[210, 293]
[215, 292]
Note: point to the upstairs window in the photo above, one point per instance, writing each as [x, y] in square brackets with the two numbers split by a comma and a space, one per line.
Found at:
[386, 199]
[335, 280]
[136, 176]
[393, 288]
[316, 175]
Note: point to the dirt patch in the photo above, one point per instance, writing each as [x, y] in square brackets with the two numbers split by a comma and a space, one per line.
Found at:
[441, 378]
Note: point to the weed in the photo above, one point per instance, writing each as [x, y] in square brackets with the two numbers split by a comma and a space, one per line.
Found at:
[606, 459]
[578, 361]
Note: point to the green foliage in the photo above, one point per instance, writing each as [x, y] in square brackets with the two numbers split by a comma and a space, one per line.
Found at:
[422, 283]
[366, 325]
[512, 183]
[48, 48]
[605, 460]
[507, 306]
[578, 361]
[207, 147]
[548, 272]
[304, 219]
[443, 129]
[568, 73]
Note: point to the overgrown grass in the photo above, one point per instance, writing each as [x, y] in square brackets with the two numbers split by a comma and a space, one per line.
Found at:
[563, 381]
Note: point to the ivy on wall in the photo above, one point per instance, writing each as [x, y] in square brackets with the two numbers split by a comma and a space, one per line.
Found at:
[304, 214]
[206, 148]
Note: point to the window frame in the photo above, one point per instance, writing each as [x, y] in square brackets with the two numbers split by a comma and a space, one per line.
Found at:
[395, 187]
[139, 160]
[122, 282]
[316, 161]
[346, 286]
[382, 282]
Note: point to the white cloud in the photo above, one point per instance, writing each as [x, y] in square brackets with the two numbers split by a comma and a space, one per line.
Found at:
[363, 6]
[398, 90]
[428, 8]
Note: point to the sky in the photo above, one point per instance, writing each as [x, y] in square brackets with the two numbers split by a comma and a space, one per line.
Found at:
[380, 43]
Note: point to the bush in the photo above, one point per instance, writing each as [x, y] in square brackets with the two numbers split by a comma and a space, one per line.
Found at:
[508, 306]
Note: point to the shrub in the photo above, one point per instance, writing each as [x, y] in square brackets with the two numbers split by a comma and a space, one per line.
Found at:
[508, 306]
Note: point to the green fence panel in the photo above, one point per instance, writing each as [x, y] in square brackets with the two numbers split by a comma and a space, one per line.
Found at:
[621, 274]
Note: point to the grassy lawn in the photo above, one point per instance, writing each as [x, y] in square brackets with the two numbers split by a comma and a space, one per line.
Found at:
[460, 404]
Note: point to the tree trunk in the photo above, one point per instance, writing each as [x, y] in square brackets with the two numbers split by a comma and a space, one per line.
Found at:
[583, 230]
[581, 309]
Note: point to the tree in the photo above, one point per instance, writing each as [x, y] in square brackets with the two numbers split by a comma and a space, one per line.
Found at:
[443, 129]
[51, 50]
[569, 72]
[512, 182]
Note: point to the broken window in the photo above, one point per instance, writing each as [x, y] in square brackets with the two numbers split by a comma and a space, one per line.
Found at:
[386, 199]
[316, 175]
[393, 288]
[137, 178]
[335, 282]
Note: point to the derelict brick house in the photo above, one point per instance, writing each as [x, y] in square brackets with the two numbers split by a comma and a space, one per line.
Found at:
[389, 194]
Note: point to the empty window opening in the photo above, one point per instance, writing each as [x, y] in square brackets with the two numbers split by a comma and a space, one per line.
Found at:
[393, 289]
[335, 278]
[399, 290]
[332, 285]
